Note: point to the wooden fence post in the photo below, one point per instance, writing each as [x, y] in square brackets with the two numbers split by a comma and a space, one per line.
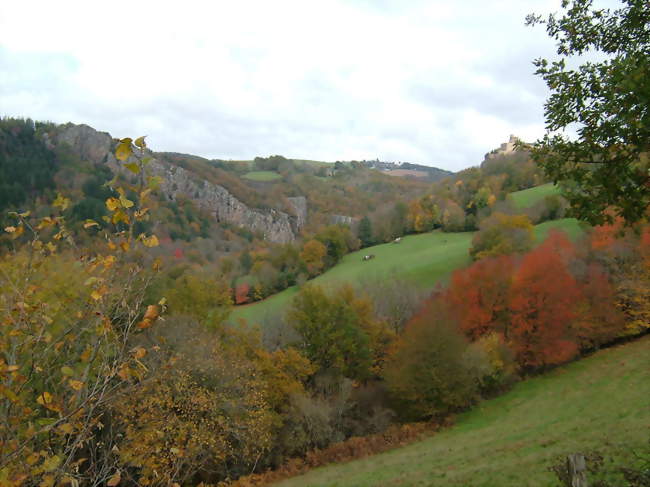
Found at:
[577, 469]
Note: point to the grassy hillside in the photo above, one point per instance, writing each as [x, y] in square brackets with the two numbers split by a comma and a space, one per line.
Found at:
[600, 402]
[425, 259]
[529, 197]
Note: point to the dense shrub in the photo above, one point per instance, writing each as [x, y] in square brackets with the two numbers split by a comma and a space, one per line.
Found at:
[427, 375]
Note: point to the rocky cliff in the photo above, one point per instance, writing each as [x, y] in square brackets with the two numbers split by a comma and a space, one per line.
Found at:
[274, 225]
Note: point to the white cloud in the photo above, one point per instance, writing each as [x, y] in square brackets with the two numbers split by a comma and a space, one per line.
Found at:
[320, 80]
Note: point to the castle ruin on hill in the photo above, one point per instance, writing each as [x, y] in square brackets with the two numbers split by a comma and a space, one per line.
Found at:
[505, 148]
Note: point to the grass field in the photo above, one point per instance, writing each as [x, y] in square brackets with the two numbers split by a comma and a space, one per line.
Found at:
[529, 197]
[424, 259]
[309, 162]
[599, 403]
[262, 176]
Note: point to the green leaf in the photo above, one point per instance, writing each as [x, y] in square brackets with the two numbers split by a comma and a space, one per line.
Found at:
[154, 181]
[65, 370]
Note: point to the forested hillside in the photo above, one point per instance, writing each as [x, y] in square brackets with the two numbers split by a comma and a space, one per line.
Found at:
[342, 362]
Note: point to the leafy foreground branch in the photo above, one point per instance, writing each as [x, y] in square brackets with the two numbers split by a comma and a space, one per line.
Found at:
[67, 322]
[607, 166]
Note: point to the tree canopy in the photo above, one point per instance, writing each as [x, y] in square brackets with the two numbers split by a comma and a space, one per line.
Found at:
[600, 86]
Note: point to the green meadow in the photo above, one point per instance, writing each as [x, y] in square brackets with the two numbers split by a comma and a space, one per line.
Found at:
[425, 259]
[600, 403]
[529, 197]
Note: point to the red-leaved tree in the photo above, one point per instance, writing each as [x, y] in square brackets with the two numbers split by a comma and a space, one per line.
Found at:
[478, 296]
[543, 306]
[242, 293]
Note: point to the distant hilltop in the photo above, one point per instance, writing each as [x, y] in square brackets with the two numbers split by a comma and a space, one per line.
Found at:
[408, 169]
[505, 148]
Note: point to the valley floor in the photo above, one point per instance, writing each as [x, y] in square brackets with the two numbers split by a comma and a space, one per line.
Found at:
[600, 403]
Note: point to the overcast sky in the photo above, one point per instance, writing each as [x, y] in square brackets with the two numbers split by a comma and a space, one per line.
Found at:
[434, 82]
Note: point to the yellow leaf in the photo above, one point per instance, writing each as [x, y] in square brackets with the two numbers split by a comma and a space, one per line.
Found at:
[15, 231]
[46, 222]
[44, 398]
[120, 216]
[151, 241]
[123, 198]
[115, 479]
[90, 280]
[126, 203]
[48, 481]
[124, 373]
[9, 394]
[12, 368]
[124, 246]
[109, 261]
[77, 385]
[51, 247]
[61, 202]
[123, 150]
[140, 214]
[139, 352]
[24, 214]
[66, 428]
[140, 142]
[95, 295]
[85, 356]
[33, 458]
[51, 463]
[133, 167]
[112, 204]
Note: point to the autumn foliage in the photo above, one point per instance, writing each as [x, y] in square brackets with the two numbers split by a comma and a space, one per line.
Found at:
[519, 314]
[554, 301]
[542, 306]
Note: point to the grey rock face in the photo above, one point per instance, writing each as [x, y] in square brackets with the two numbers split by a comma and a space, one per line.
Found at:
[276, 226]
[299, 206]
[90, 144]
[341, 219]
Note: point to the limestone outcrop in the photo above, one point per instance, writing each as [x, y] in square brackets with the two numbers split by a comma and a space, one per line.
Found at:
[275, 225]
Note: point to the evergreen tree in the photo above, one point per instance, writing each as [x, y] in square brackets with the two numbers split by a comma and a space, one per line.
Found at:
[365, 232]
